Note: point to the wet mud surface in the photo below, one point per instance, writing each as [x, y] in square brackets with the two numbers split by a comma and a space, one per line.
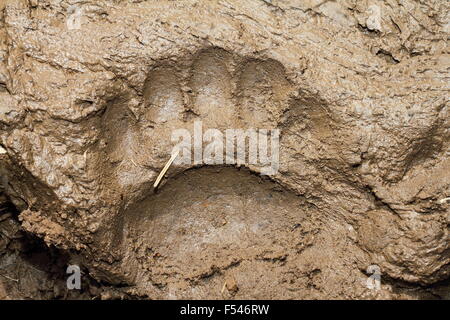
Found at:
[91, 93]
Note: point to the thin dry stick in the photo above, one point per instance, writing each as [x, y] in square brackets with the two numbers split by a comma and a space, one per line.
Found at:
[164, 170]
[444, 200]
[3, 275]
[223, 288]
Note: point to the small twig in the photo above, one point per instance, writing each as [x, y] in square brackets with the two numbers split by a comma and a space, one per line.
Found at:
[444, 200]
[223, 288]
[12, 279]
[166, 167]
[134, 163]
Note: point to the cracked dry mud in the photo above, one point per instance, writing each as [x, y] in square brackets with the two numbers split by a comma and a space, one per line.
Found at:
[91, 91]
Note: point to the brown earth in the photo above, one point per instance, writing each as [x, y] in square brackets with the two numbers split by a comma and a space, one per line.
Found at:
[91, 91]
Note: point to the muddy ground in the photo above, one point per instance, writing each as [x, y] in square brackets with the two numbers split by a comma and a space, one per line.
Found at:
[91, 93]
